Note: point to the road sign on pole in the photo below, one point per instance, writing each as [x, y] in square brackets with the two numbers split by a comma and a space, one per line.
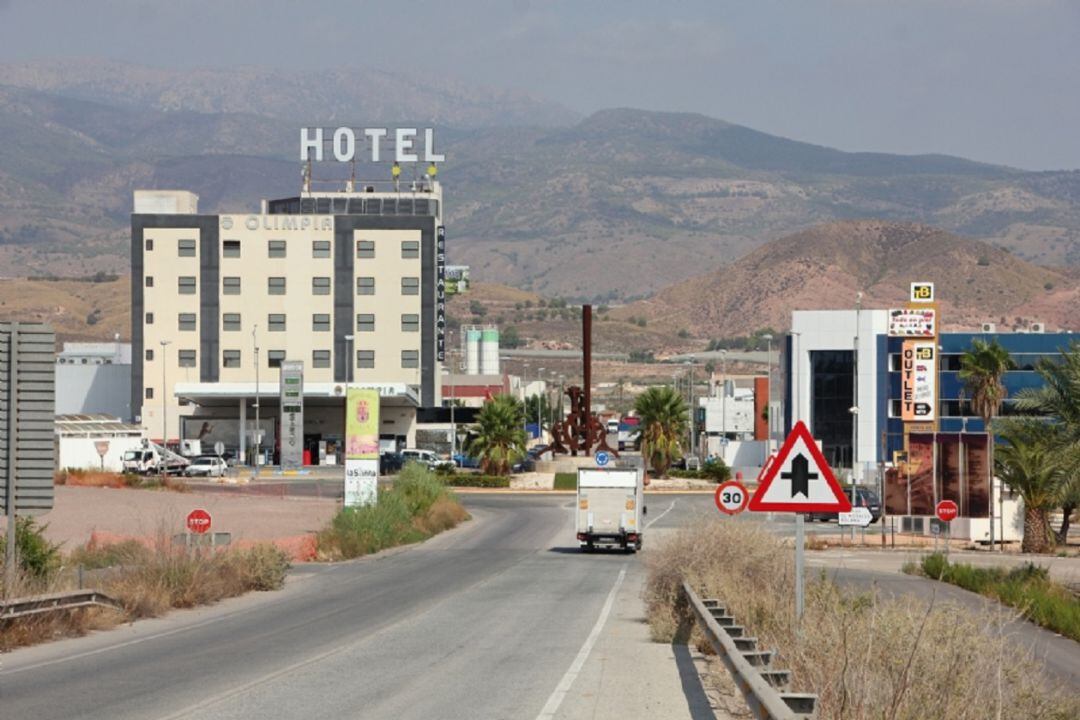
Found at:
[946, 511]
[858, 517]
[799, 480]
[602, 458]
[731, 497]
[198, 521]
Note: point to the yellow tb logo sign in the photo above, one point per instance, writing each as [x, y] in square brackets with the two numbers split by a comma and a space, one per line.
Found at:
[922, 292]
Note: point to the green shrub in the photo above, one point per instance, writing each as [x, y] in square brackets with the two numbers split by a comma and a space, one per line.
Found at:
[566, 481]
[1027, 587]
[716, 470]
[477, 481]
[37, 557]
[126, 553]
[419, 488]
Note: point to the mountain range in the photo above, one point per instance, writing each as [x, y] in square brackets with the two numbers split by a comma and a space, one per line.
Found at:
[610, 207]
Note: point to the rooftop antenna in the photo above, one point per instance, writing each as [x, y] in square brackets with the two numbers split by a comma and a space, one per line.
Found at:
[350, 186]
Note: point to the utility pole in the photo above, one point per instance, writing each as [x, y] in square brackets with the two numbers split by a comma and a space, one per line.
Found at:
[539, 422]
[768, 384]
[164, 460]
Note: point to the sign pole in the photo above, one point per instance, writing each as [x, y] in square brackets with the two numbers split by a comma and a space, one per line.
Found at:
[799, 562]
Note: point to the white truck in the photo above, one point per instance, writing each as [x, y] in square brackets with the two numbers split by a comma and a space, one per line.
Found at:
[147, 460]
[610, 508]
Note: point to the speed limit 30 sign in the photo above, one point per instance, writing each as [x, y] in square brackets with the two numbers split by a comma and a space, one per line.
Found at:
[731, 497]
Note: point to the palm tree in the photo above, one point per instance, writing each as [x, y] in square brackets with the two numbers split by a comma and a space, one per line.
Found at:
[1030, 463]
[981, 370]
[663, 426]
[499, 439]
[1059, 400]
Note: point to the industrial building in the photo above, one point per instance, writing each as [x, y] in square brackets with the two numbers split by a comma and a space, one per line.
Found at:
[344, 287]
[875, 381]
[94, 378]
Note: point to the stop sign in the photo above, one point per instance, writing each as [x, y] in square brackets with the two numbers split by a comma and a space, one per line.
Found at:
[946, 510]
[198, 521]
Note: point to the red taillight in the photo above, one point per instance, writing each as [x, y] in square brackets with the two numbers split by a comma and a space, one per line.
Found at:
[632, 537]
[582, 536]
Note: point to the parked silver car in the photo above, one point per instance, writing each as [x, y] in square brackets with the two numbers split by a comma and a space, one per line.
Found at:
[206, 466]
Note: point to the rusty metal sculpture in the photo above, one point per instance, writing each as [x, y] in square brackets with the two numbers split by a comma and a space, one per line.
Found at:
[581, 432]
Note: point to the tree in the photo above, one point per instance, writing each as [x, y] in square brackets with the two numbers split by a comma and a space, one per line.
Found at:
[545, 409]
[499, 435]
[981, 370]
[510, 338]
[1030, 463]
[1059, 400]
[664, 423]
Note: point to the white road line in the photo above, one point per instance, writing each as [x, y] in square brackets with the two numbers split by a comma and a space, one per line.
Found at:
[559, 694]
[670, 508]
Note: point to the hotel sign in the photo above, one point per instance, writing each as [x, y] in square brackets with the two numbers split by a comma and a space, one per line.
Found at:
[440, 293]
[918, 381]
[346, 144]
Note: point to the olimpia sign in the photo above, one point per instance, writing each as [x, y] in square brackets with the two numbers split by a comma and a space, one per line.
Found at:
[347, 144]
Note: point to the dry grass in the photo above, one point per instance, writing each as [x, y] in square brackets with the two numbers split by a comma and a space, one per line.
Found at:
[866, 657]
[148, 582]
[78, 477]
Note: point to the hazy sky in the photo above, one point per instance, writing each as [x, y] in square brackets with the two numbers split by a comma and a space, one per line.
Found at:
[992, 80]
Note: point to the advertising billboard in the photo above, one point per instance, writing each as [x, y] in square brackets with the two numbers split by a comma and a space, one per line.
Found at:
[918, 381]
[292, 414]
[361, 446]
[913, 322]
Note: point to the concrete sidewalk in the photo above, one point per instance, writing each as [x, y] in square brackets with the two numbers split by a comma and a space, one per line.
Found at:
[628, 676]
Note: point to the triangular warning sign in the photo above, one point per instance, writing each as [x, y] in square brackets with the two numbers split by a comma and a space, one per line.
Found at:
[799, 479]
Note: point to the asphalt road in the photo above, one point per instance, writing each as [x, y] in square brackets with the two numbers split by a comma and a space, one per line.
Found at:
[481, 622]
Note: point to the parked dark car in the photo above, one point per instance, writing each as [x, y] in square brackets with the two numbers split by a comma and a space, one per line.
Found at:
[390, 463]
[864, 497]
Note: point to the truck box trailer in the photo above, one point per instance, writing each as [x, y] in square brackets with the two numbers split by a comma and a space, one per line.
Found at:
[610, 508]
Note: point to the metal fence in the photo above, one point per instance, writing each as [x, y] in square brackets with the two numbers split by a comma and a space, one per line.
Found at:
[70, 600]
[765, 688]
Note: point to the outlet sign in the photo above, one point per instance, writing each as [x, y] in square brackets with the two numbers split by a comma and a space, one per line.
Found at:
[346, 144]
[918, 381]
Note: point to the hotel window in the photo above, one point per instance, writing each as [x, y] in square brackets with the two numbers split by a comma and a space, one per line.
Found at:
[230, 248]
[365, 286]
[149, 393]
[230, 358]
[186, 284]
[320, 322]
[230, 322]
[320, 358]
[276, 322]
[275, 286]
[365, 322]
[149, 244]
[149, 354]
[365, 249]
[320, 248]
[274, 358]
[186, 358]
[186, 248]
[150, 318]
[410, 322]
[410, 286]
[410, 249]
[365, 359]
[410, 358]
[230, 286]
[149, 281]
[186, 322]
[276, 248]
[320, 286]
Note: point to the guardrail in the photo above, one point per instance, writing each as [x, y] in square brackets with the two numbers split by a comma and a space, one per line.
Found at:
[765, 688]
[54, 602]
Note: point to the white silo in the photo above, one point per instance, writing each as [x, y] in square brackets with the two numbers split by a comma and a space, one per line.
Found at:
[489, 351]
[472, 350]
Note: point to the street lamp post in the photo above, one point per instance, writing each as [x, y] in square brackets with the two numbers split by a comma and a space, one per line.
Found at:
[453, 425]
[769, 391]
[524, 396]
[539, 424]
[258, 432]
[164, 415]
[723, 405]
[693, 413]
